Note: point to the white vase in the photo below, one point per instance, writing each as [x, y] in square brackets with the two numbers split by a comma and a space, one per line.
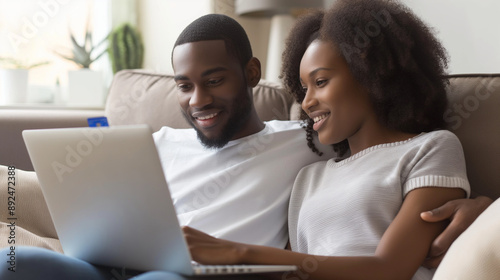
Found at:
[85, 88]
[13, 86]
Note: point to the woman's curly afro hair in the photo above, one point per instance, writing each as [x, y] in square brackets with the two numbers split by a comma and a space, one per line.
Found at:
[389, 50]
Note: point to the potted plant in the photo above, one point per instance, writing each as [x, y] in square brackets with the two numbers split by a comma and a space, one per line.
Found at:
[85, 86]
[14, 80]
[125, 50]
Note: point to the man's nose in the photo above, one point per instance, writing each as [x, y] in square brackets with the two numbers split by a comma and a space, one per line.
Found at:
[200, 98]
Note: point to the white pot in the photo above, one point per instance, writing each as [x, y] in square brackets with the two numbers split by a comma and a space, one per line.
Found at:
[13, 86]
[85, 88]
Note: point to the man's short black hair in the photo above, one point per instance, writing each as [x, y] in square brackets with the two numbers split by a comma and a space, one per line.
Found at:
[219, 27]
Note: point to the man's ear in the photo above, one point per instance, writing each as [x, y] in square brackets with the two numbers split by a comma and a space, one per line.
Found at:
[253, 71]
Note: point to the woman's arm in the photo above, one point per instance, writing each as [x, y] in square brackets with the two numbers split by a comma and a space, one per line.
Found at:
[400, 252]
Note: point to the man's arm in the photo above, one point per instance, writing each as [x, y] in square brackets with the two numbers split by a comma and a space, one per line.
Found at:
[461, 213]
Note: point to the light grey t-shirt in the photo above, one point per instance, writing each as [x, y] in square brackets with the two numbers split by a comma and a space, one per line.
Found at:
[343, 208]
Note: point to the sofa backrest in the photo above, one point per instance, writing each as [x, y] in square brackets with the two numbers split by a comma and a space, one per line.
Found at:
[138, 96]
[474, 116]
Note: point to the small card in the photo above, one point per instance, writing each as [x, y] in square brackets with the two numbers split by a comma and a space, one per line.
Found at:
[97, 122]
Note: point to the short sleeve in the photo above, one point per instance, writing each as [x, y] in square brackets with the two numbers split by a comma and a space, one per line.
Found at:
[438, 162]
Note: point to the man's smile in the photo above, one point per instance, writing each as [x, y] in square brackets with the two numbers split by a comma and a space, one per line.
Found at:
[207, 118]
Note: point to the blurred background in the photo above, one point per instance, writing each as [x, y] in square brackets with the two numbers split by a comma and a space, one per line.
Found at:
[35, 36]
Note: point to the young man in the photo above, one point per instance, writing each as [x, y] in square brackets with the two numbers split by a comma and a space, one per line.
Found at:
[230, 175]
[231, 159]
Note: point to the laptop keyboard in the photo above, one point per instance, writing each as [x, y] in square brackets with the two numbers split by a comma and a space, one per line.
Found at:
[221, 269]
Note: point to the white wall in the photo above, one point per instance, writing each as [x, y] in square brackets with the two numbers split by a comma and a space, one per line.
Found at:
[257, 30]
[161, 22]
[469, 30]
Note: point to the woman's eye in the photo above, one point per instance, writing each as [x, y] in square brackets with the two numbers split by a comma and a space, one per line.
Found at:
[320, 82]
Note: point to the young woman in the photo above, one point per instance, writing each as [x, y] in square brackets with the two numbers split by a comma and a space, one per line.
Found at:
[369, 76]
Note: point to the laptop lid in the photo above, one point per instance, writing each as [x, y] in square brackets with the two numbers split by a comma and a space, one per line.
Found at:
[108, 198]
[106, 192]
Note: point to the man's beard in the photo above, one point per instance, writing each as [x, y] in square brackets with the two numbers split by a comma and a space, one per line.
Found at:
[242, 107]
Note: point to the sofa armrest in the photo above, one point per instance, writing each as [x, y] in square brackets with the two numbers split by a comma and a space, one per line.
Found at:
[30, 223]
[14, 121]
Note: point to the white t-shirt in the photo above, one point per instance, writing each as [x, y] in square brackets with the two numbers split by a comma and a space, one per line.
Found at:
[343, 208]
[241, 191]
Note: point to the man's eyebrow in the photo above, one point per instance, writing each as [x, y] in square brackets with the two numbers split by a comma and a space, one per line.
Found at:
[204, 74]
[180, 77]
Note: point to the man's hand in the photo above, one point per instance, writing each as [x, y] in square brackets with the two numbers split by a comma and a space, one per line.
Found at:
[461, 213]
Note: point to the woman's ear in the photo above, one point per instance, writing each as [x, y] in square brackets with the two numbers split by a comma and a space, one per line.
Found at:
[253, 71]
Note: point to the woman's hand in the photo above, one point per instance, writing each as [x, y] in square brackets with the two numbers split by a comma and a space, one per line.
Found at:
[462, 213]
[207, 249]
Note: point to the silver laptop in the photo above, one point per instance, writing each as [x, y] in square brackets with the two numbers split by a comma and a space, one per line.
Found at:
[109, 201]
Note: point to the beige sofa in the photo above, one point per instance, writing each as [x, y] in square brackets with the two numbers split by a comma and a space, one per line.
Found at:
[145, 97]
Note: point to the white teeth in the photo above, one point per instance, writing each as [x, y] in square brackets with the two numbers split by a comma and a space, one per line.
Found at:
[207, 117]
[317, 119]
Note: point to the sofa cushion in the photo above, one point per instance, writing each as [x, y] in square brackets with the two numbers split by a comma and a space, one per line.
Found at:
[476, 252]
[138, 96]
